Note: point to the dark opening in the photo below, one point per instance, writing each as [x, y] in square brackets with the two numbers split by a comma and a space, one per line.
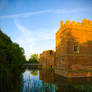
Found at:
[50, 52]
[75, 48]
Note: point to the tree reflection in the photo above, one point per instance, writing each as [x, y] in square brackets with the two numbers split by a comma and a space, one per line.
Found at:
[34, 72]
[10, 82]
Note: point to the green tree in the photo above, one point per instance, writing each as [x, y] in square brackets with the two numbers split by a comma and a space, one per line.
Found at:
[12, 60]
[34, 59]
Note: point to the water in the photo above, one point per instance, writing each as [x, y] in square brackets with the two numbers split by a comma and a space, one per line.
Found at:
[48, 81]
[28, 80]
[35, 81]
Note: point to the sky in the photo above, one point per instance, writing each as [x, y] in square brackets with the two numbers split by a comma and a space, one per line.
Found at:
[33, 23]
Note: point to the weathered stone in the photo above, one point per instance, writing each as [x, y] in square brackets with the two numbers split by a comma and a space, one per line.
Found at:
[74, 49]
[47, 59]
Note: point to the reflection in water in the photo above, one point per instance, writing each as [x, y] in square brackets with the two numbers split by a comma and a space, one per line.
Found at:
[32, 83]
[47, 81]
[34, 72]
[43, 81]
[10, 81]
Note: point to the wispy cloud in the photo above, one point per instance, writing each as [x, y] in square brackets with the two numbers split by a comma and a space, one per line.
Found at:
[55, 11]
[29, 39]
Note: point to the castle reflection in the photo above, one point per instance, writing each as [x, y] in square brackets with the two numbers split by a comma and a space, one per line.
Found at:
[38, 81]
[48, 81]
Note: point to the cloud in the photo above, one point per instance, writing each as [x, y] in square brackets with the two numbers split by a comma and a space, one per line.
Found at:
[25, 39]
[31, 40]
[55, 11]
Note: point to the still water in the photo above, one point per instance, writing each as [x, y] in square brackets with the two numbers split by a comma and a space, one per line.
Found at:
[48, 81]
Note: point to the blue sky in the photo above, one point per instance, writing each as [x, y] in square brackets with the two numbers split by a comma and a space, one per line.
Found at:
[33, 23]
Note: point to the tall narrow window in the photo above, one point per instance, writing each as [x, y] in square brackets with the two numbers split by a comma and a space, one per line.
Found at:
[76, 48]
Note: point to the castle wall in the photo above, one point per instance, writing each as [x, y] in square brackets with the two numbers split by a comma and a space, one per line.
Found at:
[47, 59]
[73, 46]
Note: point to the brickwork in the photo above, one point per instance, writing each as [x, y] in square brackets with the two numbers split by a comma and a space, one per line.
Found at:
[47, 59]
[74, 46]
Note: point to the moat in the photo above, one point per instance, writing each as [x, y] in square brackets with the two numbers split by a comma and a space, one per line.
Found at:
[34, 80]
[48, 81]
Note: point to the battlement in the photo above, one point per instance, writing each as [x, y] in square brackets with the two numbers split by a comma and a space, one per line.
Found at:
[69, 23]
[48, 51]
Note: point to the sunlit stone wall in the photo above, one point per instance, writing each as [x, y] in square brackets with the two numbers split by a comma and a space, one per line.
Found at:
[47, 59]
[74, 46]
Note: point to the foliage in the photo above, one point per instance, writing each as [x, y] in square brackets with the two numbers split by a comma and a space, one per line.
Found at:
[11, 59]
[34, 59]
[34, 72]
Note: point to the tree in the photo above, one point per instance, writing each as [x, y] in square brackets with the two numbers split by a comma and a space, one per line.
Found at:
[34, 59]
[12, 60]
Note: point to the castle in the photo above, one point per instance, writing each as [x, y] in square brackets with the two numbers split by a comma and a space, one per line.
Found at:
[73, 56]
[47, 59]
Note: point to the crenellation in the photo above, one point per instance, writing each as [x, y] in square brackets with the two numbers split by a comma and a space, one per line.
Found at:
[84, 21]
[67, 22]
[85, 24]
[78, 23]
[61, 23]
[90, 22]
[73, 22]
